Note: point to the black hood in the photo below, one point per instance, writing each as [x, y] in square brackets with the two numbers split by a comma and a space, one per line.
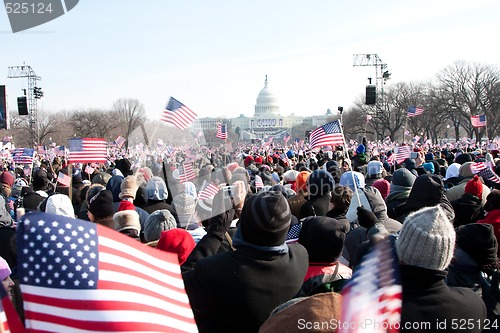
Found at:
[323, 237]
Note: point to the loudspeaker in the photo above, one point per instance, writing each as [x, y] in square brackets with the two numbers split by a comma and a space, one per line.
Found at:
[22, 106]
[371, 95]
[253, 141]
[3, 109]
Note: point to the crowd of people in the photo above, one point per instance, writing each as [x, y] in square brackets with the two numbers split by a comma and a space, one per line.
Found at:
[267, 239]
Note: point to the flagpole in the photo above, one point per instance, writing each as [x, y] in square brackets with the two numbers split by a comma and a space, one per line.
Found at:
[404, 129]
[349, 161]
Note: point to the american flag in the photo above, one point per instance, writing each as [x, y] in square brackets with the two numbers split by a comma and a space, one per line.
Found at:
[89, 169]
[186, 172]
[120, 140]
[23, 155]
[327, 135]
[221, 131]
[77, 276]
[478, 121]
[293, 233]
[414, 111]
[286, 137]
[208, 192]
[60, 151]
[400, 154]
[82, 150]
[63, 179]
[258, 182]
[41, 150]
[482, 169]
[9, 319]
[177, 114]
[374, 294]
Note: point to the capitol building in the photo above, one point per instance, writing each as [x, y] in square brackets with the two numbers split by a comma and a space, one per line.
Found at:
[266, 122]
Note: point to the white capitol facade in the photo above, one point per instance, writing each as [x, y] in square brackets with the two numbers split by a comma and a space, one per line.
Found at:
[267, 120]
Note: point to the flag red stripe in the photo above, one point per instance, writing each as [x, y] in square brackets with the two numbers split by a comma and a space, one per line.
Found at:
[108, 305]
[125, 255]
[112, 326]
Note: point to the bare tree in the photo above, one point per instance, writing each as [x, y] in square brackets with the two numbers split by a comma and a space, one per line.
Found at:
[94, 124]
[132, 114]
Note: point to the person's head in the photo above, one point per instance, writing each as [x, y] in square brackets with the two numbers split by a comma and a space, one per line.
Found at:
[177, 241]
[374, 169]
[474, 187]
[60, 204]
[100, 205]
[492, 201]
[341, 198]
[5, 273]
[265, 219]
[7, 181]
[479, 242]
[301, 181]
[156, 189]
[427, 239]
[323, 237]
[319, 183]
[159, 221]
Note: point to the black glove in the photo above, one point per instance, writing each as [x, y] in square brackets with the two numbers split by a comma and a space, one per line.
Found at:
[366, 218]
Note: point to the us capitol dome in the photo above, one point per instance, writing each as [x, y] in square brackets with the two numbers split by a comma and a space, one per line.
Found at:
[267, 120]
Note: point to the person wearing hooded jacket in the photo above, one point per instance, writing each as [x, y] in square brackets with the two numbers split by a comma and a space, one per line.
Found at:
[465, 174]
[399, 191]
[320, 184]
[427, 191]
[377, 205]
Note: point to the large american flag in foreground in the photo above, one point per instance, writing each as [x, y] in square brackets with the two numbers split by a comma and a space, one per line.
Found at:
[77, 276]
[177, 114]
[82, 150]
[327, 135]
[372, 299]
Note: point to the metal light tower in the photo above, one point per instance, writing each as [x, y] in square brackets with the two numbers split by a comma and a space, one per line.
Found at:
[33, 93]
[382, 75]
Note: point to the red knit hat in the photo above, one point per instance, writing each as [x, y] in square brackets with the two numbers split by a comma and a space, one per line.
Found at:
[248, 160]
[474, 187]
[259, 160]
[177, 241]
[125, 205]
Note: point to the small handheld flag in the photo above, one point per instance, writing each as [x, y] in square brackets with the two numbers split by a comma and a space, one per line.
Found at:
[414, 111]
[478, 121]
[178, 114]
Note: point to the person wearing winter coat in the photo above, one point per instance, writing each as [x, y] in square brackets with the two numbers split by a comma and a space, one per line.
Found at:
[427, 191]
[425, 247]
[236, 291]
[468, 207]
[401, 182]
[465, 175]
[492, 209]
[319, 185]
[323, 238]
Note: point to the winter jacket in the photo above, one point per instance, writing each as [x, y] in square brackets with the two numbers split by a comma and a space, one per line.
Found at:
[458, 190]
[237, 290]
[427, 300]
[296, 202]
[377, 205]
[467, 209]
[493, 218]
[427, 191]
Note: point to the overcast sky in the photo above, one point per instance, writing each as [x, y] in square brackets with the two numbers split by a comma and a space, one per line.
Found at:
[213, 55]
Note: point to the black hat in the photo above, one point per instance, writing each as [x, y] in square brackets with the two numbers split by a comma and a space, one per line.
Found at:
[101, 204]
[265, 219]
[323, 237]
[478, 240]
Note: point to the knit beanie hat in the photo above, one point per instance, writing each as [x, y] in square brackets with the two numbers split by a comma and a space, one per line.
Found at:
[323, 237]
[452, 171]
[4, 269]
[129, 187]
[7, 178]
[429, 156]
[156, 189]
[101, 204]
[302, 180]
[248, 160]
[427, 239]
[429, 167]
[184, 204]
[463, 158]
[126, 217]
[403, 177]
[265, 219]
[383, 186]
[158, 221]
[177, 241]
[478, 240]
[474, 187]
[320, 182]
[361, 149]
